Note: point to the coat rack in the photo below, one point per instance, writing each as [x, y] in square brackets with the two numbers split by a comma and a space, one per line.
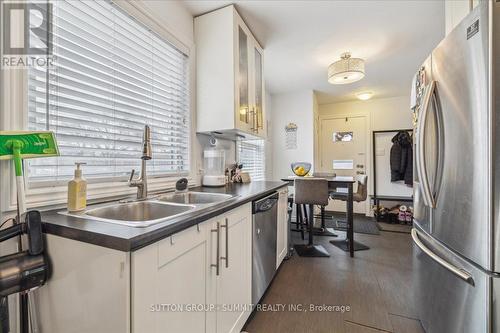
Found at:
[377, 198]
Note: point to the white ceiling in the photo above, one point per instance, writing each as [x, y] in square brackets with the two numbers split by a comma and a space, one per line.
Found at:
[301, 38]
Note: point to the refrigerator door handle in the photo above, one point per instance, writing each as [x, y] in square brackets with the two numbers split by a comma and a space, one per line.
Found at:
[440, 161]
[453, 269]
[440, 149]
[421, 167]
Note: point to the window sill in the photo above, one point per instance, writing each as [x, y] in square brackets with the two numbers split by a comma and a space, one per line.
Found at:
[53, 197]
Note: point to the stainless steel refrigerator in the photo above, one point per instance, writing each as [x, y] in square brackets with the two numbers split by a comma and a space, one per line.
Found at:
[456, 234]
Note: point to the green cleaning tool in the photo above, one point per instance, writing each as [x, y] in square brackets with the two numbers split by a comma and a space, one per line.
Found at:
[22, 145]
[17, 146]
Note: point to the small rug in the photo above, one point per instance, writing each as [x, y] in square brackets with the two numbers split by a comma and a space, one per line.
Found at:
[390, 227]
[362, 224]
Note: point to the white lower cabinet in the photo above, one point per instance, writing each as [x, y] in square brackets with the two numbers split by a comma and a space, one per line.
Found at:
[177, 287]
[169, 286]
[231, 289]
[282, 232]
[167, 277]
[88, 290]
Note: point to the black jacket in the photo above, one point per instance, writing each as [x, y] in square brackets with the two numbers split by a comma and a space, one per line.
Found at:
[401, 159]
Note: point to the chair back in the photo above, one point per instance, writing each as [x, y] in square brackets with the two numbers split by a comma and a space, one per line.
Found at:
[311, 191]
[332, 187]
[362, 192]
[324, 174]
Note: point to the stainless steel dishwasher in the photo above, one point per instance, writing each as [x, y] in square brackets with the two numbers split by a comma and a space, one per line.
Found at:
[264, 226]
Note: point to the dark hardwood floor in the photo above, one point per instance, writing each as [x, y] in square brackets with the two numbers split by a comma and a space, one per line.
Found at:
[375, 284]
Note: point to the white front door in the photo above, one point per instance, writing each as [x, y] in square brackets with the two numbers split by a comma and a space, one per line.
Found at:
[343, 151]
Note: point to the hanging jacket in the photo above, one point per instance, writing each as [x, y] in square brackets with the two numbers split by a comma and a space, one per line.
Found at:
[401, 158]
[408, 177]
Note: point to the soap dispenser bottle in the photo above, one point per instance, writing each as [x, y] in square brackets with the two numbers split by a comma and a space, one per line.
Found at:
[77, 191]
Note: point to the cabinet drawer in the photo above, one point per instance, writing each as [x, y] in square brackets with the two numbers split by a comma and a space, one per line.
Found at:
[177, 244]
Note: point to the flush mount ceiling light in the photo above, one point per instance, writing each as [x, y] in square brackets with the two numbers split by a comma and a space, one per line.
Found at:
[346, 70]
[365, 95]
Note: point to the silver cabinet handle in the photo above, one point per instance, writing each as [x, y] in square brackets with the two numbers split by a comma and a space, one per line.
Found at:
[421, 167]
[251, 113]
[246, 114]
[260, 118]
[217, 255]
[255, 125]
[226, 258]
[467, 277]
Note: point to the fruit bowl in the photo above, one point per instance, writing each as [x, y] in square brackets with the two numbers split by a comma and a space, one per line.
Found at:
[301, 169]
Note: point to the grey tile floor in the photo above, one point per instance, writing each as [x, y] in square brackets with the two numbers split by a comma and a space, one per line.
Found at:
[375, 284]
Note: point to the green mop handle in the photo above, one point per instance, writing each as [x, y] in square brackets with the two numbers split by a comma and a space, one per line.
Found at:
[18, 166]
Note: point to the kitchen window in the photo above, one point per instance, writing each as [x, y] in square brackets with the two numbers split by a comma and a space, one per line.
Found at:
[111, 76]
[252, 155]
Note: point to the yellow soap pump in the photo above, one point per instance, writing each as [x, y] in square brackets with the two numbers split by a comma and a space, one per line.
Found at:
[77, 191]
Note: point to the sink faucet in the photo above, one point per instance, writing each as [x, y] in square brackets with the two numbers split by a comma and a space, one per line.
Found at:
[142, 182]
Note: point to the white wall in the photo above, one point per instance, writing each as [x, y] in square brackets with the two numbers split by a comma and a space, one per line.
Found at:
[316, 125]
[455, 11]
[294, 107]
[175, 17]
[383, 114]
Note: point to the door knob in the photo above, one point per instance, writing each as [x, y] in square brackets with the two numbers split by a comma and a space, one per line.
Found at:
[360, 172]
[360, 166]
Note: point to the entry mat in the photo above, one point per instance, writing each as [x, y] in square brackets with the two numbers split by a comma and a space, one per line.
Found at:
[362, 224]
[402, 228]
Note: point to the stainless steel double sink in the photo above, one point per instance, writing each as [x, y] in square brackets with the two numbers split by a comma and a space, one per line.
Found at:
[151, 211]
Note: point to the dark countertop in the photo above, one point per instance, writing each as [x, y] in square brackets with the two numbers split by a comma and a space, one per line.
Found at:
[126, 238]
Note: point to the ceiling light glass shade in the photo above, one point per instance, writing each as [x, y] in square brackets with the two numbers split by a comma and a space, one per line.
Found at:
[346, 70]
[364, 95]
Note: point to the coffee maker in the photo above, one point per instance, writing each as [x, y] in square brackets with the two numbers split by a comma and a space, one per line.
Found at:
[214, 166]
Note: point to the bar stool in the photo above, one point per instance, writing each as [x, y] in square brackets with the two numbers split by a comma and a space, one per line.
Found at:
[360, 196]
[312, 191]
[323, 230]
[300, 220]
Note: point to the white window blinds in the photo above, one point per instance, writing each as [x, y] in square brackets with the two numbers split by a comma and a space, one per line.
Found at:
[251, 154]
[111, 76]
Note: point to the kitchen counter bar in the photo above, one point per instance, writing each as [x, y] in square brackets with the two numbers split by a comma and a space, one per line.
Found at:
[125, 238]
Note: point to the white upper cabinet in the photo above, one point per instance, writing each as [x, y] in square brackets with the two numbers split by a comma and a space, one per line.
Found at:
[229, 80]
[258, 92]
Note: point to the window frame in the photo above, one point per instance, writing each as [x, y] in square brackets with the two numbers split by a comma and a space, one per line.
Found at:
[50, 194]
[264, 143]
